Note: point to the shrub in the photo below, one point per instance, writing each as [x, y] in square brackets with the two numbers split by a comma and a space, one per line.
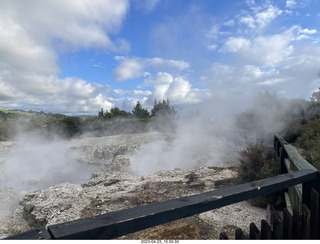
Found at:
[309, 141]
[71, 126]
[257, 161]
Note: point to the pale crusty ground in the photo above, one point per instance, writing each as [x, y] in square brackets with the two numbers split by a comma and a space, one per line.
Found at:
[115, 190]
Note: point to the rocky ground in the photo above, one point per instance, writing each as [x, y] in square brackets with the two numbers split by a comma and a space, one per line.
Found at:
[115, 186]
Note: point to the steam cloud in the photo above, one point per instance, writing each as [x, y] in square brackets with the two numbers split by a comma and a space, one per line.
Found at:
[194, 139]
[36, 163]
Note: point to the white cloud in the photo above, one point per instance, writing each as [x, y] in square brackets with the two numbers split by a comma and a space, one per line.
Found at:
[180, 91]
[262, 16]
[248, 20]
[290, 3]
[141, 93]
[130, 68]
[266, 50]
[135, 93]
[307, 31]
[212, 47]
[229, 23]
[99, 100]
[234, 44]
[30, 34]
[296, 77]
[177, 89]
[272, 81]
[169, 63]
[74, 23]
[265, 17]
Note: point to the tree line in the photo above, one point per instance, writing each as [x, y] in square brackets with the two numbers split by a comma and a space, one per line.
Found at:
[105, 122]
[162, 108]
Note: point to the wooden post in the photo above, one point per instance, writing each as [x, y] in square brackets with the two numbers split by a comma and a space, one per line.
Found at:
[315, 215]
[305, 222]
[283, 155]
[239, 234]
[306, 193]
[254, 232]
[287, 225]
[277, 225]
[265, 230]
[296, 224]
[275, 142]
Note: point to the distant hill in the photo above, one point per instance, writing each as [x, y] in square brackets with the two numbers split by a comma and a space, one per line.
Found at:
[30, 120]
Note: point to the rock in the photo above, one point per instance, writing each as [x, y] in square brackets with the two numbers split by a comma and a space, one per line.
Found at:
[57, 204]
[98, 150]
[119, 163]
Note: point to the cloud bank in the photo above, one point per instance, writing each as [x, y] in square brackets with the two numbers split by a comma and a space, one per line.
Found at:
[31, 35]
[189, 56]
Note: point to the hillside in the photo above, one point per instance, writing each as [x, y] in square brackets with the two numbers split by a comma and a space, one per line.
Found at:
[306, 137]
[11, 121]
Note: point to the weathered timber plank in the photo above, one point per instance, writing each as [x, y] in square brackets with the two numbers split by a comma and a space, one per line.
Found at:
[296, 224]
[239, 234]
[277, 232]
[305, 222]
[315, 215]
[287, 202]
[40, 233]
[254, 232]
[126, 221]
[284, 168]
[297, 159]
[280, 140]
[287, 224]
[265, 230]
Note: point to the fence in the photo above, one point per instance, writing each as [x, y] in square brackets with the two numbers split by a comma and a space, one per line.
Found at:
[301, 217]
[304, 225]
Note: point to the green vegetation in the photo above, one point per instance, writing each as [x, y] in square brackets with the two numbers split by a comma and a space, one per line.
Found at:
[140, 112]
[257, 161]
[305, 134]
[115, 121]
[163, 109]
[298, 121]
[306, 137]
[114, 113]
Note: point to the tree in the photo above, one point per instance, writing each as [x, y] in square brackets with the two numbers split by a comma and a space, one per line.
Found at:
[163, 116]
[316, 96]
[71, 126]
[163, 108]
[116, 112]
[101, 113]
[140, 112]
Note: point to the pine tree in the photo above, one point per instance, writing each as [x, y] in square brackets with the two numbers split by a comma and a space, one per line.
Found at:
[140, 112]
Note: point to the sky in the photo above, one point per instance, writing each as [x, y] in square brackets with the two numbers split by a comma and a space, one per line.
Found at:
[77, 56]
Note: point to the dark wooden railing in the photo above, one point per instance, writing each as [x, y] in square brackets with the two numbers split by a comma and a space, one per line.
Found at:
[115, 224]
[301, 217]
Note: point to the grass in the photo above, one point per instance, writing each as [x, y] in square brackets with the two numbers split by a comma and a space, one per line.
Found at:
[16, 112]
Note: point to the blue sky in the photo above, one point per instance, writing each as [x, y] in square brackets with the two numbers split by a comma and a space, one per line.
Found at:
[78, 56]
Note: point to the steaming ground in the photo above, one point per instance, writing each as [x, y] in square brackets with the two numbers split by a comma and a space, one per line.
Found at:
[33, 163]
